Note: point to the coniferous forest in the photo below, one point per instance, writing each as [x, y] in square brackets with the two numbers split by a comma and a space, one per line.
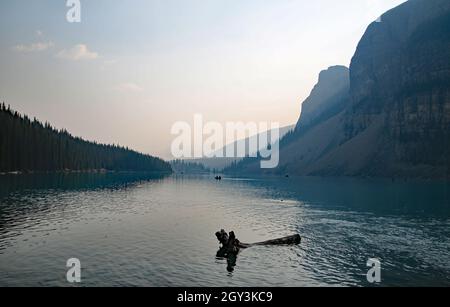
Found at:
[30, 146]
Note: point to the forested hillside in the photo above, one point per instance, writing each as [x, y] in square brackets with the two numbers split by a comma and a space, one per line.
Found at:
[28, 145]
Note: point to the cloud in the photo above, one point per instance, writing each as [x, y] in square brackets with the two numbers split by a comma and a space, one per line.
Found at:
[35, 47]
[77, 53]
[129, 87]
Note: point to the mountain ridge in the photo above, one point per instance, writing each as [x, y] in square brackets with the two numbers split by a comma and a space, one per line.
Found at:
[396, 119]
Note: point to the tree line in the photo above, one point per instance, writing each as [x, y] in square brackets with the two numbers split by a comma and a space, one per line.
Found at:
[181, 166]
[30, 146]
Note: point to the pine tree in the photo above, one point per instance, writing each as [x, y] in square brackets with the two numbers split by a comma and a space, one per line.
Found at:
[27, 145]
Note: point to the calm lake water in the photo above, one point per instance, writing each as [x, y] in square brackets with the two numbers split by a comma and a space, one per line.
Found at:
[131, 230]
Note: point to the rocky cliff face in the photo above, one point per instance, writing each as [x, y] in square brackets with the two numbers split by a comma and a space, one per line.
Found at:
[400, 75]
[395, 119]
[327, 98]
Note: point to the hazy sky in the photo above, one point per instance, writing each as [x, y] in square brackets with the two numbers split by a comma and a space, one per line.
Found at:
[132, 68]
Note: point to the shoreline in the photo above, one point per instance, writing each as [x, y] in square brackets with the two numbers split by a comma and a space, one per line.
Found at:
[95, 171]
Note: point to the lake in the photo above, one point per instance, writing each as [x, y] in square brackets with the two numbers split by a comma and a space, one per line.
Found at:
[142, 230]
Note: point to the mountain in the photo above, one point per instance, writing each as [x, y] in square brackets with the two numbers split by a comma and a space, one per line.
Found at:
[327, 98]
[395, 119]
[218, 164]
[400, 90]
[300, 147]
[30, 146]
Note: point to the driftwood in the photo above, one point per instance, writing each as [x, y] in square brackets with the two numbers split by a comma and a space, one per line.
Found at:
[231, 245]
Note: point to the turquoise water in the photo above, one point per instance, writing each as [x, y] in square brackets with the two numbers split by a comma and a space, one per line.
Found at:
[136, 230]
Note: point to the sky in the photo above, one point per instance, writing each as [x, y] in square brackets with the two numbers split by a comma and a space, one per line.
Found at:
[131, 69]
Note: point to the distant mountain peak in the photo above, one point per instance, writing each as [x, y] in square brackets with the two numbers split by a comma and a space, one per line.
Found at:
[327, 96]
[333, 72]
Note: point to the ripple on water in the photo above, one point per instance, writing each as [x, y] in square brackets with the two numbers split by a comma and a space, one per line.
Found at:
[161, 233]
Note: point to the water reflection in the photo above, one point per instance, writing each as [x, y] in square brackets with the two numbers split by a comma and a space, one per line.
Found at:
[230, 248]
[19, 195]
[378, 196]
[72, 181]
[141, 230]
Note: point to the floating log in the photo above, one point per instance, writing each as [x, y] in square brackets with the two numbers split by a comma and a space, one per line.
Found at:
[231, 245]
[290, 240]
